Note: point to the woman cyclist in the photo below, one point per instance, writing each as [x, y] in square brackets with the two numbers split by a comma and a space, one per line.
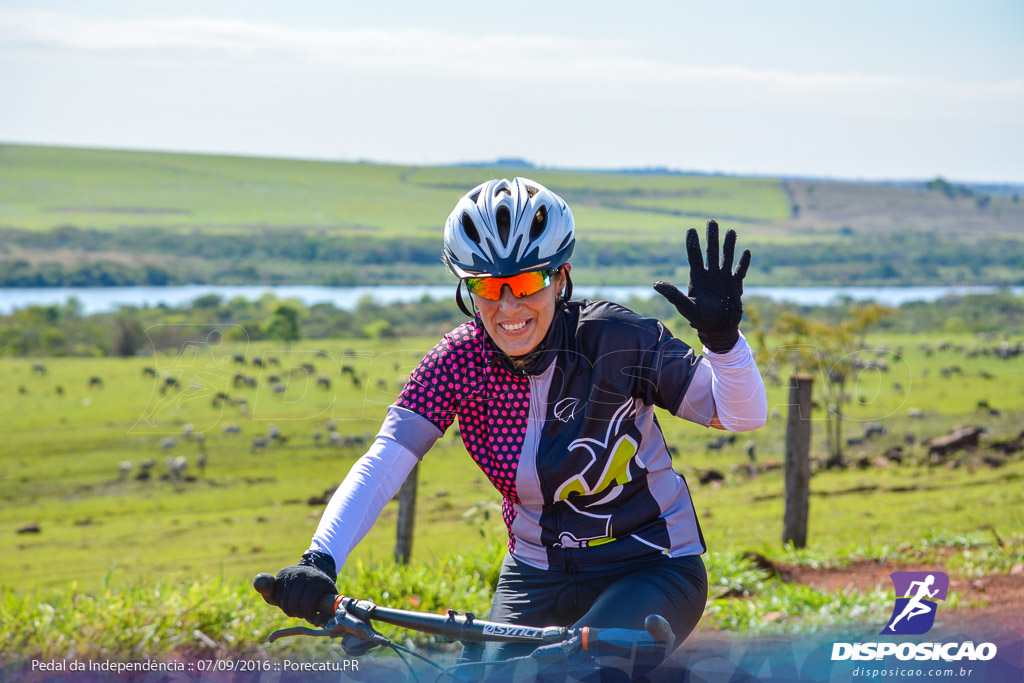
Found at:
[555, 400]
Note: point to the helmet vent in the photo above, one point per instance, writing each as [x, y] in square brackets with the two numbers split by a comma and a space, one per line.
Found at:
[532, 190]
[470, 228]
[504, 221]
[540, 220]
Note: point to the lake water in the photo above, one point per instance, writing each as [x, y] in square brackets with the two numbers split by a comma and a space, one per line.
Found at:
[102, 299]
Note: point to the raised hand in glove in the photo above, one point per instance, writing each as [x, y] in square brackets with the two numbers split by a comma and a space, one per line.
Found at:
[298, 589]
[712, 305]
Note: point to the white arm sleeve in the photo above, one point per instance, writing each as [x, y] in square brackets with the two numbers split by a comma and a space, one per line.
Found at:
[371, 483]
[730, 385]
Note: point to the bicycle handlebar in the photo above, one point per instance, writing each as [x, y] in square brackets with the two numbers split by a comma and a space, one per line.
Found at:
[356, 617]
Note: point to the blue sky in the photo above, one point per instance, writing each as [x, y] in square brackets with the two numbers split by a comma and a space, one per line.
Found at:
[872, 90]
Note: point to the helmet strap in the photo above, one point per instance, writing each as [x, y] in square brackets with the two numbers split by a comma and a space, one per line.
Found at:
[461, 303]
[566, 293]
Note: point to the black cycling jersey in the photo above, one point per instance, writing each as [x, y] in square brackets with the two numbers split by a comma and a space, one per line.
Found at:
[573, 446]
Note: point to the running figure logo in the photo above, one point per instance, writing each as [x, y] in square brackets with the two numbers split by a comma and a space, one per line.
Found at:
[914, 612]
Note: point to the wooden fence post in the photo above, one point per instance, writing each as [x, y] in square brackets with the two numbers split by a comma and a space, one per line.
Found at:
[406, 516]
[798, 461]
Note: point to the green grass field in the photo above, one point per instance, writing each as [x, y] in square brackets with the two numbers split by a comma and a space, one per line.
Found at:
[59, 462]
[46, 187]
[112, 190]
[145, 564]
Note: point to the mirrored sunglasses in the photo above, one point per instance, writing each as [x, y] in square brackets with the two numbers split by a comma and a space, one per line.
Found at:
[521, 285]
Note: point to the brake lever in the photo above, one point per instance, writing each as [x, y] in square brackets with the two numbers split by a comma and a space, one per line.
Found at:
[299, 631]
[343, 623]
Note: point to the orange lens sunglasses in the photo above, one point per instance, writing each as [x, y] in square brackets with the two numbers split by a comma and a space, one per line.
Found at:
[521, 285]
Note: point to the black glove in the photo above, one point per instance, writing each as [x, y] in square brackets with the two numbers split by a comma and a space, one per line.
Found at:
[713, 306]
[298, 589]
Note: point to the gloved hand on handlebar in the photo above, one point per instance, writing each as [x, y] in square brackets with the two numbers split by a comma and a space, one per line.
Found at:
[298, 589]
[712, 305]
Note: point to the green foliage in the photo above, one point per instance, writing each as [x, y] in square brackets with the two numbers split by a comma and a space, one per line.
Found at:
[180, 618]
[284, 324]
[63, 330]
[940, 184]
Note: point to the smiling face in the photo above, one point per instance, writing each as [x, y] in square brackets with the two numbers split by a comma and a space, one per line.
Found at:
[518, 326]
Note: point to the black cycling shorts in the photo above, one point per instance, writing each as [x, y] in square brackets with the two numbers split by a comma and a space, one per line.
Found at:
[617, 596]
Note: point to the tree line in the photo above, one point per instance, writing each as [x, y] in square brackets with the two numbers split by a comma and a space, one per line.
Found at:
[65, 330]
[277, 256]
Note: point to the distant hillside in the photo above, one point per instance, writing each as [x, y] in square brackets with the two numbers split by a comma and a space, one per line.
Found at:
[110, 217]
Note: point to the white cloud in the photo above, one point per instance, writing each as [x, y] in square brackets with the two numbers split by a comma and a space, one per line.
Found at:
[537, 58]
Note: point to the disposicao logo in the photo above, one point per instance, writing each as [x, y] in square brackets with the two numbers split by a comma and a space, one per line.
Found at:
[914, 612]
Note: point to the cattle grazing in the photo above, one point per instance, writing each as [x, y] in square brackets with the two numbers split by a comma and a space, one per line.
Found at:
[323, 382]
[711, 476]
[167, 443]
[239, 359]
[39, 369]
[59, 390]
[144, 469]
[894, 454]
[232, 429]
[259, 443]
[124, 469]
[717, 444]
[875, 429]
[176, 467]
[96, 382]
[149, 372]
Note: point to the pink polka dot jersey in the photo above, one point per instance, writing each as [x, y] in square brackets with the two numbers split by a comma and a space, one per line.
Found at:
[461, 377]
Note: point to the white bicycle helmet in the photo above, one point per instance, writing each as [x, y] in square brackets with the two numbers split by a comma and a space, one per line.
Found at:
[503, 228]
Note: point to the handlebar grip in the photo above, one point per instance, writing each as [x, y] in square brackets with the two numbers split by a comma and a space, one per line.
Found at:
[658, 627]
[264, 585]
